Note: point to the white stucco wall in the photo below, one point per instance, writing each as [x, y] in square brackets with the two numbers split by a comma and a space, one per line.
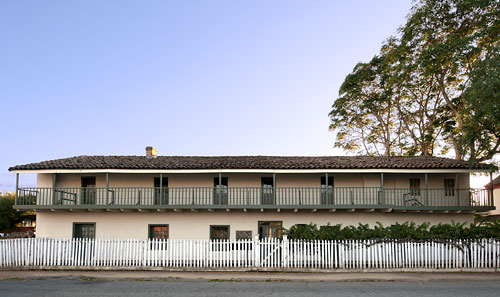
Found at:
[496, 202]
[196, 225]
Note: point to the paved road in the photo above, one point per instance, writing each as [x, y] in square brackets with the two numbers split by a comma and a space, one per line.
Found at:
[124, 288]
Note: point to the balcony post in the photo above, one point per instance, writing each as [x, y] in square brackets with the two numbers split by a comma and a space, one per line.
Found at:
[426, 189]
[274, 187]
[161, 188]
[54, 198]
[17, 187]
[107, 188]
[457, 189]
[219, 190]
[382, 195]
[492, 186]
[327, 188]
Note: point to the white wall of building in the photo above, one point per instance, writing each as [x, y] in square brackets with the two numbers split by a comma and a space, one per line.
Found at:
[391, 180]
[191, 225]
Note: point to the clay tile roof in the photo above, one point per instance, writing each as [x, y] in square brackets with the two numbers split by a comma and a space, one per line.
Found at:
[249, 162]
[496, 182]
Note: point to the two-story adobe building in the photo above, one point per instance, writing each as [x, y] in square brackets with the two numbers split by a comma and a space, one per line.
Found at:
[242, 196]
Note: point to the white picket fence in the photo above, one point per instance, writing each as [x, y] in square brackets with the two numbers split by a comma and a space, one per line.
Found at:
[250, 254]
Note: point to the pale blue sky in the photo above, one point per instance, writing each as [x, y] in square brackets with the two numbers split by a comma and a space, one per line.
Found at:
[188, 77]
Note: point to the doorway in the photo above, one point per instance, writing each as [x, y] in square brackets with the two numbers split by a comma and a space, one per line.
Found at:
[88, 190]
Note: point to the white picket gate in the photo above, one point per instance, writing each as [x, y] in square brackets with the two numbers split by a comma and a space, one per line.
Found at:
[251, 254]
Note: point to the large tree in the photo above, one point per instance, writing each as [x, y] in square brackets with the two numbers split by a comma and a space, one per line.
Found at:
[446, 38]
[422, 94]
[364, 114]
[481, 123]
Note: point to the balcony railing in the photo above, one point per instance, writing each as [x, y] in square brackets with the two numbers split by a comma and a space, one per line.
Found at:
[209, 197]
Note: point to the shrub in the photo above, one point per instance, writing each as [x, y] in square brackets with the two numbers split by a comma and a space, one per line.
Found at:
[406, 230]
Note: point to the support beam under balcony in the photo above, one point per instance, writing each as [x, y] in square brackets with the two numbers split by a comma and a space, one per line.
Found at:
[332, 210]
[314, 210]
[386, 210]
[369, 210]
[350, 210]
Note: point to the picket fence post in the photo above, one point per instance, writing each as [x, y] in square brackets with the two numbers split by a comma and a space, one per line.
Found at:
[284, 252]
[256, 250]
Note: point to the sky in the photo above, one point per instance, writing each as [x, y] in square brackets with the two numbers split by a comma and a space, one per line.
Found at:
[249, 77]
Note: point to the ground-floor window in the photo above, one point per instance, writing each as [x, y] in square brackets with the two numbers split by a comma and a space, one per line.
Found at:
[270, 229]
[219, 232]
[83, 230]
[158, 232]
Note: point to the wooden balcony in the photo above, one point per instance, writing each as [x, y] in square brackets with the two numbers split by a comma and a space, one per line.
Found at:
[267, 198]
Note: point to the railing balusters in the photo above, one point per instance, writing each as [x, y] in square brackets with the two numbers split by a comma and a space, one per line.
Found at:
[252, 196]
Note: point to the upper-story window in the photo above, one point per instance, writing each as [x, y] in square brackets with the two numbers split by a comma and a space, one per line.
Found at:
[330, 182]
[327, 190]
[449, 187]
[267, 190]
[161, 196]
[220, 190]
[415, 186]
[223, 182]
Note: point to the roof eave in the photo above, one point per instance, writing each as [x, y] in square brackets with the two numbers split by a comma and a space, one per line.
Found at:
[173, 171]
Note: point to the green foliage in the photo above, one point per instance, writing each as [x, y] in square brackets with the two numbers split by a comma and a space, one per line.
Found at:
[481, 127]
[407, 230]
[8, 216]
[432, 88]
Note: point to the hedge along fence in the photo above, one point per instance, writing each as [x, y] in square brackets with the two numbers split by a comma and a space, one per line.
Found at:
[406, 231]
